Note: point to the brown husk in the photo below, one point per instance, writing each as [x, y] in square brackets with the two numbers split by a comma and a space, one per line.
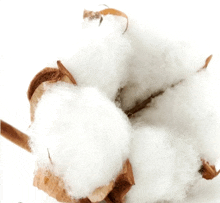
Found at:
[43, 80]
[113, 192]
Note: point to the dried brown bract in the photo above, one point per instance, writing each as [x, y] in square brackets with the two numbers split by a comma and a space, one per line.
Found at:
[114, 192]
[208, 171]
[43, 79]
[108, 11]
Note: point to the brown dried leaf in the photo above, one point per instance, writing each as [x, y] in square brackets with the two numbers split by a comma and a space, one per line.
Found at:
[207, 62]
[100, 193]
[115, 12]
[47, 74]
[66, 75]
[54, 187]
[123, 184]
[42, 81]
[36, 97]
[109, 11]
[116, 190]
[208, 171]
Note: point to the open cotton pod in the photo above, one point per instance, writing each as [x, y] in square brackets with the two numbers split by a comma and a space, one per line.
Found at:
[79, 136]
[80, 140]
[54, 186]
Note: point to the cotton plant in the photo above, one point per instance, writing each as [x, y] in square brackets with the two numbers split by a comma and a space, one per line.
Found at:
[126, 107]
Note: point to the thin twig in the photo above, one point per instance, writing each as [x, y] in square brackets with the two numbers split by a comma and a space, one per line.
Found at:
[142, 104]
[15, 136]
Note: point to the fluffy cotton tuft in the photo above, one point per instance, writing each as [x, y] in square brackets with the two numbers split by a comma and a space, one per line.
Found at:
[157, 63]
[100, 56]
[164, 166]
[86, 135]
[192, 109]
[205, 191]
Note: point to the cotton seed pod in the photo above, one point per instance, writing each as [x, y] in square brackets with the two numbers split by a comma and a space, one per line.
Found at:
[116, 190]
[45, 180]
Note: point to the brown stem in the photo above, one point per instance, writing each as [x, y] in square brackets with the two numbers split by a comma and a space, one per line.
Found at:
[142, 105]
[15, 136]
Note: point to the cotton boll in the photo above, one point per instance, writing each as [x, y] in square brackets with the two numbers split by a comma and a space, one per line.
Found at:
[158, 62]
[192, 109]
[164, 167]
[100, 55]
[85, 134]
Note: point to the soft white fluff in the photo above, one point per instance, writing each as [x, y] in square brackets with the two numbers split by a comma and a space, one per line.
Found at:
[99, 57]
[142, 59]
[86, 135]
[205, 191]
[157, 63]
[35, 33]
[192, 109]
[164, 166]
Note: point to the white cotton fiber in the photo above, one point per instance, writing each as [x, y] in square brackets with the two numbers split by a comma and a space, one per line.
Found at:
[164, 167]
[205, 191]
[192, 109]
[157, 63]
[99, 58]
[85, 134]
